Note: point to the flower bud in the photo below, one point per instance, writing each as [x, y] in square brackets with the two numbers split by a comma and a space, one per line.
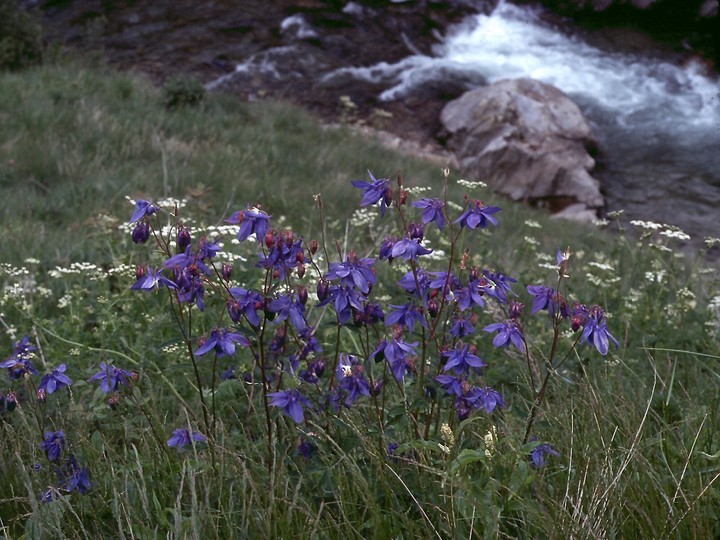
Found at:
[302, 292]
[226, 271]
[376, 387]
[403, 197]
[268, 239]
[474, 273]
[323, 290]
[432, 308]
[183, 239]
[141, 232]
[41, 395]
[300, 270]
[140, 272]
[313, 247]
[319, 368]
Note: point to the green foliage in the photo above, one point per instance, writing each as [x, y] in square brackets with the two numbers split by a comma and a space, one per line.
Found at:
[183, 91]
[20, 37]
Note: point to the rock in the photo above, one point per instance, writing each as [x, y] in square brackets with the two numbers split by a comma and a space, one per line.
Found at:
[578, 213]
[526, 139]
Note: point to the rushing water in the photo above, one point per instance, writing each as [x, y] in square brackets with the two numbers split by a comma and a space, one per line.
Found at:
[657, 123]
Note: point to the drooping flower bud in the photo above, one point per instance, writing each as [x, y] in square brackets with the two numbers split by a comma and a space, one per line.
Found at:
[226, 271]
[183, 239]
[432, 308]
[141, 232]
[313, 247]
[268, 239]
[302, 293]
[323, 290]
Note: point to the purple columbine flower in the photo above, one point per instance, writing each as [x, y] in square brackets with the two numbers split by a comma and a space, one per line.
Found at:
[18, 363]
[595, 331]
[244, 302]
[452, 385]
[507, 332]
[469, 296]
[461, 328]
[432, 211]
[111, 377]
[251, 220]
[55, 380]
[356, 272]
[290, 401]
[377, 190]
[18, 367]
[222, 342]
[405, 316]
[485, 398]
[349, 374]
[183, 437]
[460, 359]
[537, 454]
[543, 298]
[75, 477]
[142, 209]
[477, 216]
[409, 249]
[287, 308]
[410, 286]
[151, 279]
[53, 444]
[386, 249]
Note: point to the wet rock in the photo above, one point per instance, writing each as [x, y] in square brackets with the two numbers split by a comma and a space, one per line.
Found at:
[526, 139]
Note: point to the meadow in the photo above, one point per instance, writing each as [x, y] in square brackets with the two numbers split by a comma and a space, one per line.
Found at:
[209, 331]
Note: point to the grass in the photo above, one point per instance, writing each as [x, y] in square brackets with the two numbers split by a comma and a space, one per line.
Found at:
[637, 430]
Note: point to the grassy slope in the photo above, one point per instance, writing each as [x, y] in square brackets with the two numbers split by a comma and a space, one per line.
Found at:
[634, 430]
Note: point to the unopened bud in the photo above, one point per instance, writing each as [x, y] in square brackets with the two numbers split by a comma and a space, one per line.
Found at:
[302, 293]
[183, 239]
[313, 247]
[141, 233]
[300, 270]
[226, 271]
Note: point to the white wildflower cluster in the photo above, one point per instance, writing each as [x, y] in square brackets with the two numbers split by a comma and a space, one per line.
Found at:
[714, 308]
[362, 216]
[668, 231]
[31, 260]
[686, 299]
[88, 270]
[13, 271]
[171, 349]
[532, 224]
[711, 242]
[490, 438]
[676, 234]
[601, 223]
[230, 257]
[65, 300]
[656, 276]
[647, 225]
[601, 266]
[124, 270]
[530, 241]
[469, 184]
[417, 190]
[170, 203]
[222, 230]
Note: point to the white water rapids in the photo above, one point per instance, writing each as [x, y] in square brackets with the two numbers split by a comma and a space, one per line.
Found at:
[657, 123]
